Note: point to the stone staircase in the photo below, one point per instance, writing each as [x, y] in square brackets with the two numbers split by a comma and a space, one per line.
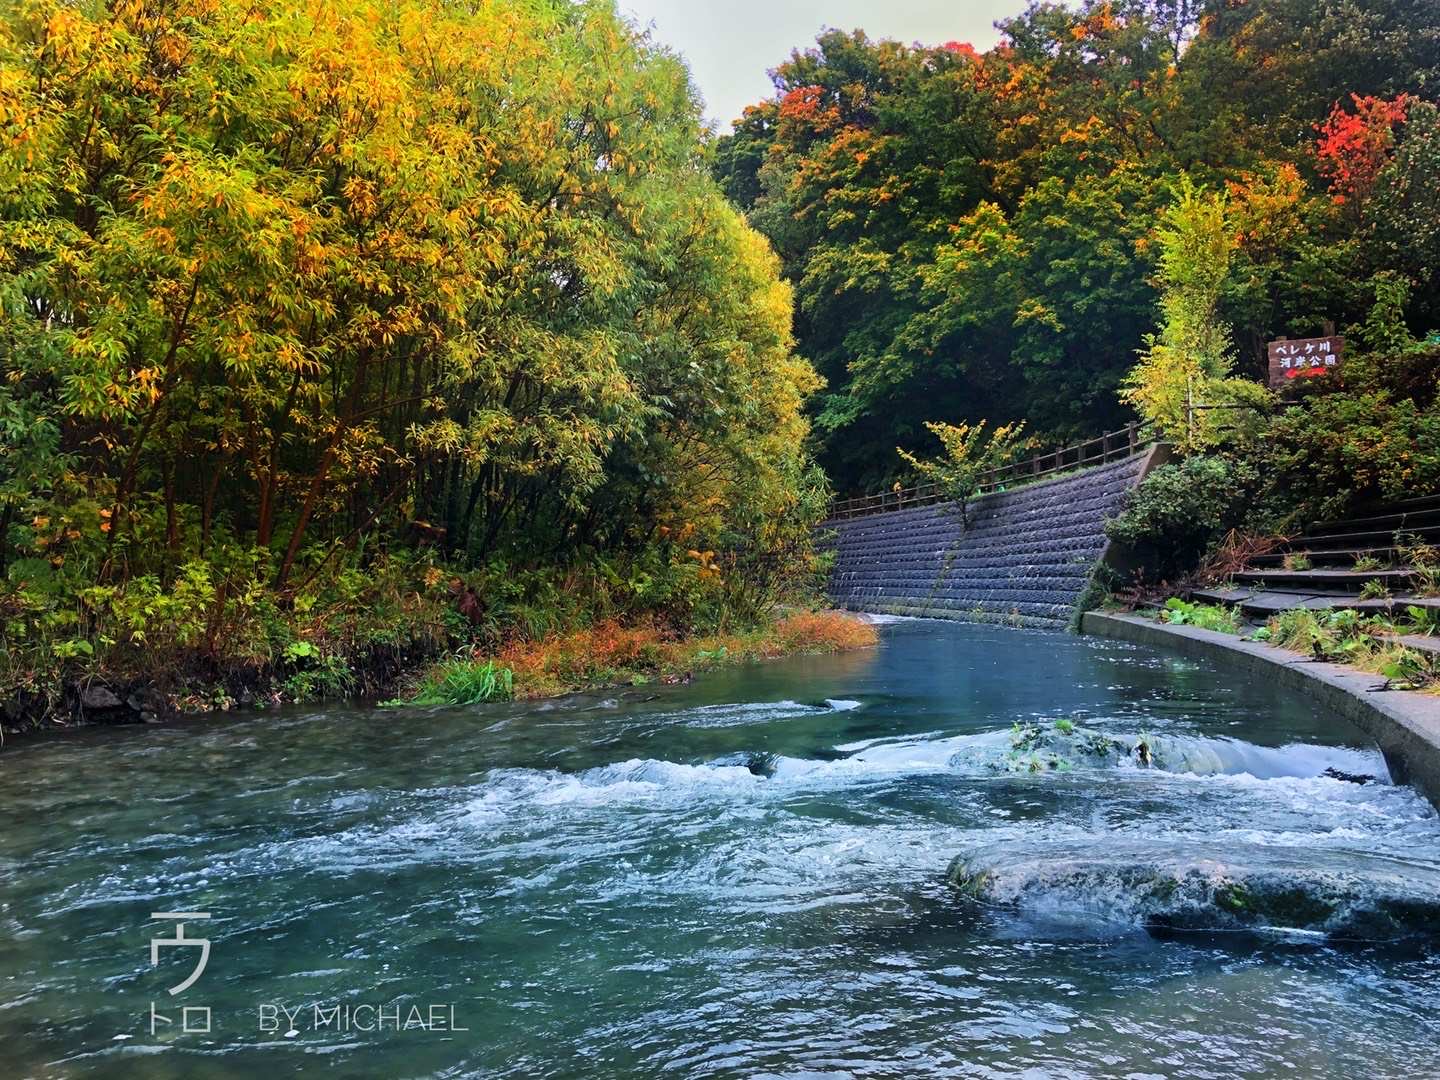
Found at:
[1318, 569]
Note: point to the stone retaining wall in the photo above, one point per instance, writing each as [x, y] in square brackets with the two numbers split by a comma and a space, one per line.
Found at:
[1026, 556]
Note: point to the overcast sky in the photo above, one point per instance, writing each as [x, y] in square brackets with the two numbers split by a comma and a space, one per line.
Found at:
[730, 44]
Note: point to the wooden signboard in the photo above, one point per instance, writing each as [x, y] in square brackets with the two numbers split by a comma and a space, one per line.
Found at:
[1304, 358]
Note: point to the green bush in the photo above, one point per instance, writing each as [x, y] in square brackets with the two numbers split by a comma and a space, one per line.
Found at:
[465, 682]
[1179, 612]
[1181, 511]
[1339, 449]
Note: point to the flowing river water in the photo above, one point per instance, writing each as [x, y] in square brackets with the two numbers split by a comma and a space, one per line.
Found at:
[749, 876]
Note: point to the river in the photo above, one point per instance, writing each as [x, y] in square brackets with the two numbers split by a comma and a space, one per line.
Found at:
[741, 877]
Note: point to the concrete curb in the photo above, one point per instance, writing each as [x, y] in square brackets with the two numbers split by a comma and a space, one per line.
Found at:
[1405, 725]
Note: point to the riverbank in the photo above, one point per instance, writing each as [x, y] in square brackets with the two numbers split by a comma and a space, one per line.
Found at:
[612, 653]
[417, 659]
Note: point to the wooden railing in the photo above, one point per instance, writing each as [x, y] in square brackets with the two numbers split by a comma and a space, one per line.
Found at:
[1112, 446]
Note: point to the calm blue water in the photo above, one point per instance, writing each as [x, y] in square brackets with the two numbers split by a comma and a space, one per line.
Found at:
[744, 877]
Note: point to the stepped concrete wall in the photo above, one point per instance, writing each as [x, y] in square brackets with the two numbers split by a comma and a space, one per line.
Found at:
[1026, 556]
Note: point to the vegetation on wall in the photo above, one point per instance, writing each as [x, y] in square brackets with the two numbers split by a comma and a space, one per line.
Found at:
[969, 454]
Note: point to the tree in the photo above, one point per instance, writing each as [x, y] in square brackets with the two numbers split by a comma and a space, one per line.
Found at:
[969, 234]
[1182, 384]
[309, 278]
[969, 457]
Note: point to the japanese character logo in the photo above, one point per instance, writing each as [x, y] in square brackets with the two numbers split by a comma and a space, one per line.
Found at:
[180, 940]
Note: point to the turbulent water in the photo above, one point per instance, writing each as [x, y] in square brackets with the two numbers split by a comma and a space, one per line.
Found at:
[889, 863]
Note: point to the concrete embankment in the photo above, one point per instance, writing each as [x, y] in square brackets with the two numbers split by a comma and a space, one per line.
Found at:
[1024, 557]
[1404, 724]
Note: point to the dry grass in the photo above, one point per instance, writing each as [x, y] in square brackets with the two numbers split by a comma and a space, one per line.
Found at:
[611, 652]
[822, 632]
[1234, 555]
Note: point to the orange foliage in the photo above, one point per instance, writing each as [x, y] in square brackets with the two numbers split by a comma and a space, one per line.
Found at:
[824, 631]
[1354, 147]
[802, 103]
[612, 652]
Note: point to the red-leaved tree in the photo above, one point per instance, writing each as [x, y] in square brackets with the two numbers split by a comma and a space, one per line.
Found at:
[1355, 146]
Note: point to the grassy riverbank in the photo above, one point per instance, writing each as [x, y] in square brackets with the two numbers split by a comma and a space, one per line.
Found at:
[1370, 642]
[216, 638]
[614, 654]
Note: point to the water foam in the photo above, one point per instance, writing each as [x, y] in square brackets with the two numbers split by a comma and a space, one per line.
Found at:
[737, 714]
[1108, 882]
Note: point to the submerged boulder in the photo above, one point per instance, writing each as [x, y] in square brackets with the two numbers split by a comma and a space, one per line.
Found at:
[1343, 896]
[1062, 745]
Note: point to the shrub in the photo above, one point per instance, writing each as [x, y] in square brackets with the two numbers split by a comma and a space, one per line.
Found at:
[1341, 448]
[1181, 511]
[1179, 612]
[823, 632]
[969, 455]
[465, 682]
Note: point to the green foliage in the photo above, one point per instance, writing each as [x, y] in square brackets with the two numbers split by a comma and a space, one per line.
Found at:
[1345, 636]
[1375, 590]
[1342, 448]
[1410, 669]
[1178, 612]
[1423, 620]
[1317, 633]
[1402, 215]
[465, 682]
[287, 292]
[971, 234]
[1340, 635]
[1181, 511]
[1422, 560]
[1384, 329]
[969, 456]
[1183, 384]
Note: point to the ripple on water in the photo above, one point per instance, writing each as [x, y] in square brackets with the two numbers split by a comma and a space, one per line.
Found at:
[717, 886]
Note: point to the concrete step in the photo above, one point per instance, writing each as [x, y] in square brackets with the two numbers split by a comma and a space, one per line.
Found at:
[1263, 603]
[1419, 502]
[1371, 538]
[1325, 581]
[1390, 519]
[1343, 557]
[1420, 643]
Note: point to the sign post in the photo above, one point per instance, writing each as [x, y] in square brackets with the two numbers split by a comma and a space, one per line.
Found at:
[1304, 358]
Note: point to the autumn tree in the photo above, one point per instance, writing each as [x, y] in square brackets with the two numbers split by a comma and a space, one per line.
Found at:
[1183, 384]
[973, 234]
[292, 282]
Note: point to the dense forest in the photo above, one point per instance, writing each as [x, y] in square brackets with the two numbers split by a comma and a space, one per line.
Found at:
[307, 304]
[974, 235]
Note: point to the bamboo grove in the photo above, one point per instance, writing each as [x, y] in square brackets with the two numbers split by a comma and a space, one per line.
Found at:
[287, 284]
